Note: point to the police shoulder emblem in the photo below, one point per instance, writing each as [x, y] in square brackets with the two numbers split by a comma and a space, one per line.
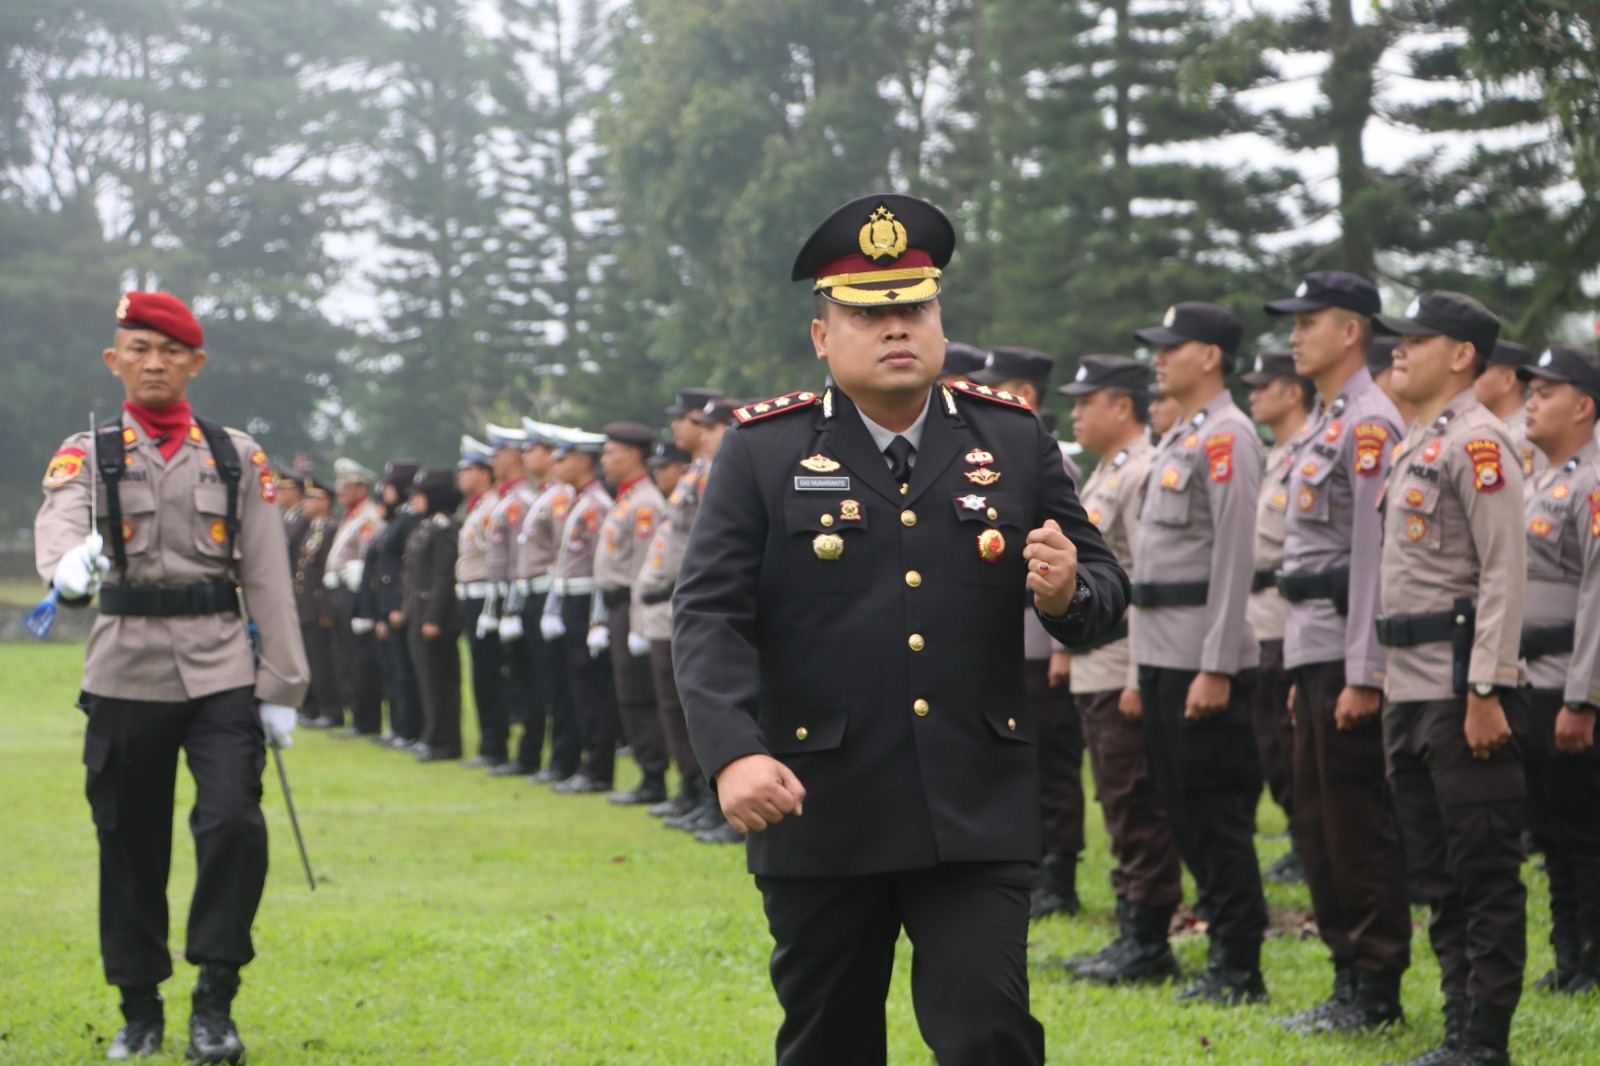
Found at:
[793, 401]
[884, 236]
[64, 466]
[1487, 473]
[984, 392]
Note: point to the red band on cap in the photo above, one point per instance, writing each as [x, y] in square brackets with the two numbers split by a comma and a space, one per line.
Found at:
[860, 264]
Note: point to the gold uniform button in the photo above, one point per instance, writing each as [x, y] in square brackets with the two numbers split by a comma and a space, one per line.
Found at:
[1011, 724]
[921, 707]
[801, 734]
[913, 579]
[827, 520]
[908, 518]
[915, 642]
[993, 514]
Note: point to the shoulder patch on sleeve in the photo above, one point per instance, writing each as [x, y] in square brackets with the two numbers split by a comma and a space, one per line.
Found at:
[1370, 438]
[984, 392]
[644, 523]
[1487, 472]
[1219, 456]
[65, 465]
[778, 405]
[1594, 513]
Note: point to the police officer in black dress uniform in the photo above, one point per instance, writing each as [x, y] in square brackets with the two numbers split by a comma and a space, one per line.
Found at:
[848, 639]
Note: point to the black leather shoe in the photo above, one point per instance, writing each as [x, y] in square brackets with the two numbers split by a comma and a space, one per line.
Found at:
[1055, 890]
[1456, 1011]
[549, 776]
[141, 1036]
[723, 834]
[1344, 992]
[581, 784]
[653, 789]
[435, 755]
[1376, 1006]
[1118, 945]
[482, 762]
[1288, 870]
[510, 769]
[212, 1035]
[1147, 957]
[1232, 976]
[686, 821]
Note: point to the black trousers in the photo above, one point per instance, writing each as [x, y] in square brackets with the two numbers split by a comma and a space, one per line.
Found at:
[341, 604]
[833, 952]
[636, 696]
[322, 696]
[131, 753]
[594, 691]
[1344, 828]
[1060, 732]
[1148, 871]
[488, 684]
[526, 705]
[1462, 821]
[554, 691]
[1564, 809]
[437, 663]
[1209, 776]
[673, 722]
[1274, 727]
[360, 674]
[400, 686]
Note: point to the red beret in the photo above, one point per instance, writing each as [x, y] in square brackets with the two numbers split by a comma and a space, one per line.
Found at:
[163, 313]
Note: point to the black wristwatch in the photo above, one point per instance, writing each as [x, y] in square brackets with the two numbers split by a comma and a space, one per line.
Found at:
[1080, 599]
[1483, 691]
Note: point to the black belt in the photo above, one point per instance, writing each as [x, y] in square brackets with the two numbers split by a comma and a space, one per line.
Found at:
[1263, 579]
[650, 599]
[1170, 594]
[1406, 630]
[1116, 634]
[1328, 585]
[1556, 640]
[170, 601]
[615, 597]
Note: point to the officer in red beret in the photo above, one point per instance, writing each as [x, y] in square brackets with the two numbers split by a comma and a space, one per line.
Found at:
[186, 522]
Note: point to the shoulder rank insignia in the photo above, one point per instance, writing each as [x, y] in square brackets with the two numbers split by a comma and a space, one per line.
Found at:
[984, 392]
[776, 406]
[820, 464]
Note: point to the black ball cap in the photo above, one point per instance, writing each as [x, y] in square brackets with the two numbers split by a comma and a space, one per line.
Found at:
[1380, 354]
[692, 399]
[1096, 372]
[718, 412]
[1330, 288]
[316, 490]
[635, 433]
[1510, 353]
[962, 359]
[1206, 323]
[879, 249]
[1270, 366]
[1573, 366]
[667, 452]
[1007, 364]
[1449, 314]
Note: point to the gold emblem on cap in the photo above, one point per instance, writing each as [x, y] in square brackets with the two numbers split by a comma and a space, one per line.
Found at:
[828, 546]
[122, 308]
[1170, 317]
[883, 237]
[820, 463]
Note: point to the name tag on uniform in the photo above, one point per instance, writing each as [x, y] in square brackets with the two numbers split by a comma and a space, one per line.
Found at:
[821, 484]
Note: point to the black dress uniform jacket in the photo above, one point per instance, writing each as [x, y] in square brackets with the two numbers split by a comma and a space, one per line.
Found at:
[889, 679]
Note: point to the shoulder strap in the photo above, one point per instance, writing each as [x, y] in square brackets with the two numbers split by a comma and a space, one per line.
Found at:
[228, 466]
[110, 457]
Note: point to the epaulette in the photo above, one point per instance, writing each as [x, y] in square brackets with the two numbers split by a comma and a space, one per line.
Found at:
[984, 392]
[778, 405]
[441, 520]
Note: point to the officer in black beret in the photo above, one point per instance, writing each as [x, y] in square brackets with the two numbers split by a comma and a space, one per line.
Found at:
[961, 361]
[848, 638]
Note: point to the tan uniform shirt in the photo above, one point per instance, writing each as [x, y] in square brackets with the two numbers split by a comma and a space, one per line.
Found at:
[1335, 480]
[1563, 529]
[580, 537]
[472, 547]
[540, 538]
[1266, 610]
[173, 515]
[1198, 524]
[1112, 501]
[513, 500]
[626, 533]
[665, 557]
[1453, 527]
[356, 531]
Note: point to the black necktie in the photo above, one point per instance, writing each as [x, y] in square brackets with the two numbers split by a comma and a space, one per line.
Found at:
[900, 452]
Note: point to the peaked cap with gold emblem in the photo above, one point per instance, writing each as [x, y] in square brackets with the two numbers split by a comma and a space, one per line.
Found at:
[879, 249]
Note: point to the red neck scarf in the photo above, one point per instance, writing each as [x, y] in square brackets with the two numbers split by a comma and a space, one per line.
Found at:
[168, 426]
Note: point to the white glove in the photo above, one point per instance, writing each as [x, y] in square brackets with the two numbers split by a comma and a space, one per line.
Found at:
[487, 623]
[638, 645]
[599, 640]
[330, 579]
[551, 627]
[79, 571]
[278, 721]
[511, 628]
[352, 574]
[362, 626]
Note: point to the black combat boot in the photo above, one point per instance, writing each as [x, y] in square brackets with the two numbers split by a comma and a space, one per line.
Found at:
[1288, 870]
[690, 795]
[1456, 1010]
[145, 1024]
[1376, 1005]
[1233, 975]
[651, 789]
[1344, 991]
[1148, 958]
[1123, 940]
[1568, 949]
[1055, 891]
[1588, 977]
[212, 1036]
[1488, 1037]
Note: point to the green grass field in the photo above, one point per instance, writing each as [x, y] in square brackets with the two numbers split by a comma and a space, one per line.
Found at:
[463, 919]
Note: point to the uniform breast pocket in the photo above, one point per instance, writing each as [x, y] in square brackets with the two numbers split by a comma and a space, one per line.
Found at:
[1167, 501]
[1420, 521]
[992, 528]
[138, 504]
[1311, 492]
[800, 729]
[210, 520]
[827, 548]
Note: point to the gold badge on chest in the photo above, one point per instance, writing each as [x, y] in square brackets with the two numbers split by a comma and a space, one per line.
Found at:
[820, 463]
[828, 546]
[982, 476]
[991, 545]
